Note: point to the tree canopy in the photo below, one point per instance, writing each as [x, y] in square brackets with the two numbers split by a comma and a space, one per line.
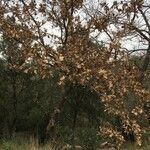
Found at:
[85, 43]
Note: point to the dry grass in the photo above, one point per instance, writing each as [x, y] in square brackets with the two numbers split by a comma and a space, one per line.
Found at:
[32, 144]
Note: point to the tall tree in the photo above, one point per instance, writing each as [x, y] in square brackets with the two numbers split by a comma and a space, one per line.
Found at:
[105, 70]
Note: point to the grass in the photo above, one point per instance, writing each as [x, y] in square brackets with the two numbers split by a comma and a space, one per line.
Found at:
[23, 144]
[19, 143]
[129, 146]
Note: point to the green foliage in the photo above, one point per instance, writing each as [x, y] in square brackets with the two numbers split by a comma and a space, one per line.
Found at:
[88, 138]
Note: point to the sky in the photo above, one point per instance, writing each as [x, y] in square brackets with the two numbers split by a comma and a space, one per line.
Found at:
[128, 43]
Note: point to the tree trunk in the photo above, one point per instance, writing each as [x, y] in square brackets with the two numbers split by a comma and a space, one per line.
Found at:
[74, 126]
[56, 113]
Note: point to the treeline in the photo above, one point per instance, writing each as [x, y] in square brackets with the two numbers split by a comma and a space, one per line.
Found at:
[27, 103]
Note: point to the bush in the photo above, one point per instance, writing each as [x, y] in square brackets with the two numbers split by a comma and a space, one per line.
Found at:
[88, 138]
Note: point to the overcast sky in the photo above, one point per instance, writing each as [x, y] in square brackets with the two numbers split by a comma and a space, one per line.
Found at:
[130, 43]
